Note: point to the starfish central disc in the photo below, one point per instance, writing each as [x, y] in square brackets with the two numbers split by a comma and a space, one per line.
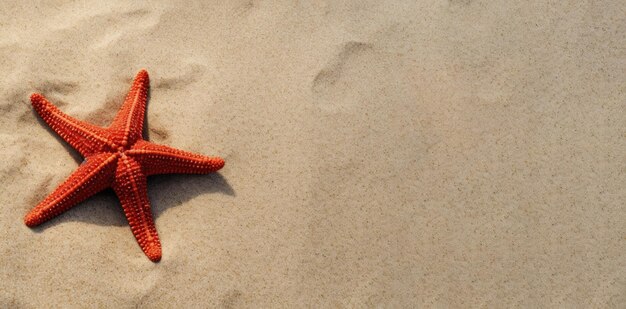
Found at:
[116, 157]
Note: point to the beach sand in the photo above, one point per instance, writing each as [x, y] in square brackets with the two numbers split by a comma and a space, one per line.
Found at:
[378, 153]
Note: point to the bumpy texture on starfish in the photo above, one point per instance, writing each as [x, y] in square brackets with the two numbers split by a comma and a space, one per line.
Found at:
[119, 158]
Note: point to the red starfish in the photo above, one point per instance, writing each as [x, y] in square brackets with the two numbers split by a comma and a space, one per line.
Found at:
[119, 158]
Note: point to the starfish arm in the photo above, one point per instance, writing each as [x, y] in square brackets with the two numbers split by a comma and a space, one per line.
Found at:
[131, 188]
[128, 122]
[160, 159]
[91, 177]
[84, 137]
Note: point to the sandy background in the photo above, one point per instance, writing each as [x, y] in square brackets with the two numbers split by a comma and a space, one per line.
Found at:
[379, 153]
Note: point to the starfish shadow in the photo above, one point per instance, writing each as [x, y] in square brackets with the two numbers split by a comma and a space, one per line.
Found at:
[164, 192]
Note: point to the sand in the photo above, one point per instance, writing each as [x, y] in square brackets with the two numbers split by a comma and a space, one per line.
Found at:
[378, 153]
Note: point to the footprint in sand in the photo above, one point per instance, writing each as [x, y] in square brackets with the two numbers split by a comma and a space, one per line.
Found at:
[328, 76]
